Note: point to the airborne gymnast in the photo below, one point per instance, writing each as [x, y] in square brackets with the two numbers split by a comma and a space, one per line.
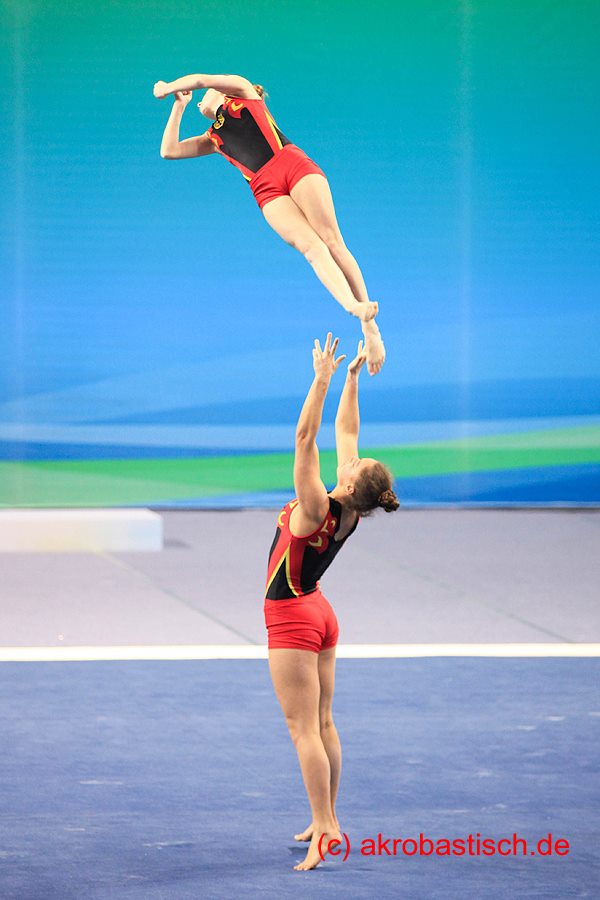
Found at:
[301, 624]
[290, 189]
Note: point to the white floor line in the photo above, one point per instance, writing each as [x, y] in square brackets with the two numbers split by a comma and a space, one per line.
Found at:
[250, 651]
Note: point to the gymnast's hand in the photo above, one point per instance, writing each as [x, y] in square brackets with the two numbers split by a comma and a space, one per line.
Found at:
[160, 90]
[182, 98]
[324, 361]
[358, 362]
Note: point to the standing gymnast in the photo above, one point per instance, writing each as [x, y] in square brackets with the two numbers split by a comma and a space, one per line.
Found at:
[302, 626]
[291, 190]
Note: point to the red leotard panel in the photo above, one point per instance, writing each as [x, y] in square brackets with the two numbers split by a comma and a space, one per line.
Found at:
[280, 174]
[307, 623]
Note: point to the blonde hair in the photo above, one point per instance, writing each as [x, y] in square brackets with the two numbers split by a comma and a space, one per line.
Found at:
[260, 91]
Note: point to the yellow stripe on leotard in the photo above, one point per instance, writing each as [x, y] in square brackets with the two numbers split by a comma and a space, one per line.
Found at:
[288, 573]
[274, 129]
[284, 558]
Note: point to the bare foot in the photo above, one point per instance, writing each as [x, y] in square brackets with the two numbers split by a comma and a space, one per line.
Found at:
[313, 857]
[375, 353]
[365, 311]
[305, 835]
[308, 833]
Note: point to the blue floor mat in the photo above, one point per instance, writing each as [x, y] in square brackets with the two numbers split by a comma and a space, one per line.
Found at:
[178, 779]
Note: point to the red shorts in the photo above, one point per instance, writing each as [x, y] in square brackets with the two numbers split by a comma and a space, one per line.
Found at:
[304, 623]
[278, 176]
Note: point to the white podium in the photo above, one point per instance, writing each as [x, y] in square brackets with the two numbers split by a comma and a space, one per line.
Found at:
[79, 530]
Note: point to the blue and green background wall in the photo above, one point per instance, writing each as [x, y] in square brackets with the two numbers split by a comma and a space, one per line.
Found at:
[156, 334]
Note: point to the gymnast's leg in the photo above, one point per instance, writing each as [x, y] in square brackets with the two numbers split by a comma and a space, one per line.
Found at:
[295, 676]
[328, 732]
[312, 195]
[290, 223]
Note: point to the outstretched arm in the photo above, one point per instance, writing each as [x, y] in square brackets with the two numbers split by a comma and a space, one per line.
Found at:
[310, 490]
[347, 420]
[232, 85]
[171, 147]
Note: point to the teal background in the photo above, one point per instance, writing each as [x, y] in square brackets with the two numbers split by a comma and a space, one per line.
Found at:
[156, 334]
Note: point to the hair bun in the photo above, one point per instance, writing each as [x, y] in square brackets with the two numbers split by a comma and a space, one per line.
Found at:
[388, 500]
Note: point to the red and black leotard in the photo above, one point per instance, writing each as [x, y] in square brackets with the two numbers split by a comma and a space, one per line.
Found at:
[246, 134]
[297, 563]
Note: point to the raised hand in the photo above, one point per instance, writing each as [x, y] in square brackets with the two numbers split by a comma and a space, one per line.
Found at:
[359, 360]
[324, 361]
[183, 97]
